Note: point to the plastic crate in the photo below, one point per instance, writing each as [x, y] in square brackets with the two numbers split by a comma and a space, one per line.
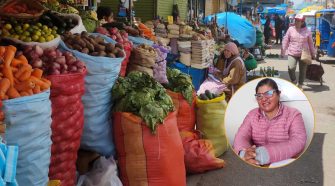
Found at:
[198, 75]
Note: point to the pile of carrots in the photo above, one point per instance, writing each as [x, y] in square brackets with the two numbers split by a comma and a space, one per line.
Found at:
[17, 77]
[16, 7]
[147, 32]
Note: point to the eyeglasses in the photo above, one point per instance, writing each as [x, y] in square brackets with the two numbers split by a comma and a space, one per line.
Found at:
[267, 94]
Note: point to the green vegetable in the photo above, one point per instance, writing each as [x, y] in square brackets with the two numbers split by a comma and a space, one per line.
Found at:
[141, 95]
[203, 97]
[180, 82]
[209, 94]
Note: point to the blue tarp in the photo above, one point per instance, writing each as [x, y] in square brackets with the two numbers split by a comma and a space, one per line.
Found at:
[239, 28]
[274, 10]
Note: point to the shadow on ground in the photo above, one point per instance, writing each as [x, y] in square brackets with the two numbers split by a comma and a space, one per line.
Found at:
[306, 170]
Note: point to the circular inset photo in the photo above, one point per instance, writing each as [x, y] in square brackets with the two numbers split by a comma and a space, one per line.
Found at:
[269, 122]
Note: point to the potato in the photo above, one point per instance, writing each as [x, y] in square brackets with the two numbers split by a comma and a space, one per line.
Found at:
[90, 47]
[111, 55]
[85, 50]
[81, 43]
[77, 47]
[120, 54]
[99, 40]
[99, 48]
[94, 54]
[109, 47]
[102, 53]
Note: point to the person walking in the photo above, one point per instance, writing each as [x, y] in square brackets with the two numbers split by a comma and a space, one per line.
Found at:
[267, 30]
[297, 39]
[279, 24]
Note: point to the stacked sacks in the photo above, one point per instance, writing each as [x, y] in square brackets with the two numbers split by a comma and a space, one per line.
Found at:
[143, 59]
[161, 31]
[185, 31]
[201, 57]
[184, 48]
[173, 31]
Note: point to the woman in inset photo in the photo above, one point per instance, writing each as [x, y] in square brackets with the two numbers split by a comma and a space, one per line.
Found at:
[272, 132]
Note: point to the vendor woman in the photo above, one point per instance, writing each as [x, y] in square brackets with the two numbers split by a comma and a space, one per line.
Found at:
[232, 70]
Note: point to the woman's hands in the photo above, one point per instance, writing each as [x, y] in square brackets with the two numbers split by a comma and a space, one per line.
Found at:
[250, 155]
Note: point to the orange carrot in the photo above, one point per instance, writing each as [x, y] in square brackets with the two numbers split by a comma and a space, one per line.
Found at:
[13, 93]
[37, 73]
[8, 57]
[30, 92]
[24, 86]
[37, 89]
[2, 51]
[4, 86]
[22, 69]
[24, 93]
[25, 76]
[2, 116]
[14, 69]
[21, 60]
[44, 85]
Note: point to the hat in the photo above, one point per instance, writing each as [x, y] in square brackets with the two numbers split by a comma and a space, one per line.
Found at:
[299, 17]
[231, 47]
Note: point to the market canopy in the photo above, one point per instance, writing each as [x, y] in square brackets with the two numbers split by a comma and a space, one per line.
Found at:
[311, 8]
[238, 27]
[274, 10]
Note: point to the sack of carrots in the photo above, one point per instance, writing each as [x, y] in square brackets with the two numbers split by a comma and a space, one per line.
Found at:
[17, 77]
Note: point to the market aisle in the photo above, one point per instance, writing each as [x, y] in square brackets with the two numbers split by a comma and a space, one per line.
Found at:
[313, 168]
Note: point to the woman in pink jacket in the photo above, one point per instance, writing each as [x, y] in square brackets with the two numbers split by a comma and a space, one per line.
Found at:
[296, 39]
[272, 132]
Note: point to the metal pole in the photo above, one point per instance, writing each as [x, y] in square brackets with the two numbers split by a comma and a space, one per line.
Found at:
[131, 12]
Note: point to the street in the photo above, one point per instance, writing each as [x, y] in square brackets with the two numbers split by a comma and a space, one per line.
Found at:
[315, 167]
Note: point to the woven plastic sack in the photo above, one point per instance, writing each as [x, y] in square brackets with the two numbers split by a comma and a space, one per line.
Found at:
[199, 153]
[28, 121]
[102, 73]
[210, 122]
[185, 58]
[159, 68]
[67, 125]
[125, 61]
[185, 112]
[145, 158]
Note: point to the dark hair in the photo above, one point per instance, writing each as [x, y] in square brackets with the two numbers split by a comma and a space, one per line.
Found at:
[103, 11]
[269, 82]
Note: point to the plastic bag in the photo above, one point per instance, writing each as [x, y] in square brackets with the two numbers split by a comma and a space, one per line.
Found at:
[199, 153]
[102, 73]
[185, 112]
[80, 27]
[159, 68]
[28, 122]
[145, 158]
[210, 122]
[104, 173]
[67, 125]
[50, 44]
[140, 40]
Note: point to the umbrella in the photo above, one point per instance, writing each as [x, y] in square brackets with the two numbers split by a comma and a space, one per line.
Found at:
[311, 8]
[290, 11]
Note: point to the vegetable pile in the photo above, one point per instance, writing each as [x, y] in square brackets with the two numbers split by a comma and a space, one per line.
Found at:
[92, 45]
[63, 23]
[120, 36]
[18, 78]
[19, 7]
[141, 95]
[180, 82]
[53, 61]
[208, 95]
[28, 31]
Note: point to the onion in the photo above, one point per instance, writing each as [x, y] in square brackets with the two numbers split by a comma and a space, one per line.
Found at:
[64, 67]
[70, 60]
[55, 72]
[67, 55]
[61, 60]
[80, 64]
[33, 55]
[64, 72]
[27, 49]
[59, 53]
[80, 70]
[113, 37]
[37, 63]
[55, 66]
[51, 53]
[73, 68]
[38, 50]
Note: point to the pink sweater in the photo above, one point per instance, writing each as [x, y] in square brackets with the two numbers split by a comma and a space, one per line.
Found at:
[283, 137]
[295, 41]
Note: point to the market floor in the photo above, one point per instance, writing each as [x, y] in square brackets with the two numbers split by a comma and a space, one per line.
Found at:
[315, 167]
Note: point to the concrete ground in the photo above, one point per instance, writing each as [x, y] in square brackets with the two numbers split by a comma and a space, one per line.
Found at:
[314, 168]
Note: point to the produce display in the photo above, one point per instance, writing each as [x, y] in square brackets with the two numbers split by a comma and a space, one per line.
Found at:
[141, 95]
[63, 23]
[90, 20]
[18, 78]
[147, 32]
[61, 8]
[93, 45]
[180, 82]
[268, 72]
[53, 61]
[208, 95]
[22, 7]
[28, 31]
[120, 36]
